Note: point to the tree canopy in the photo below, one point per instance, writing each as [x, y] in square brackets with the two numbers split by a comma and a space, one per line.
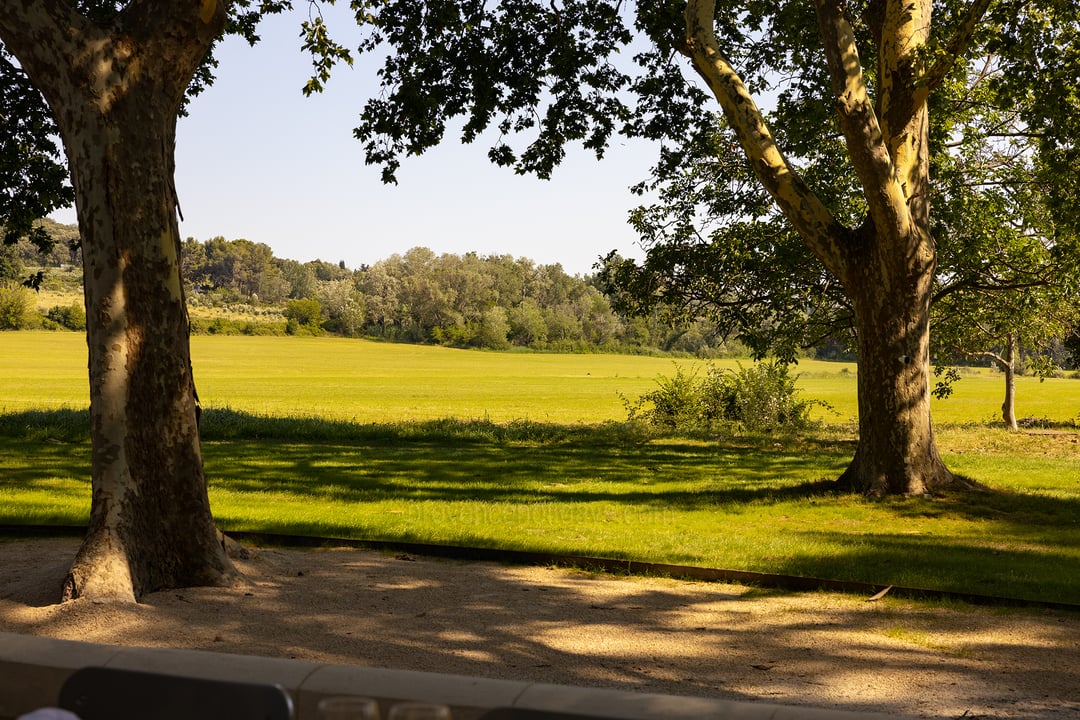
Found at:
[803, 202]
[33, 177]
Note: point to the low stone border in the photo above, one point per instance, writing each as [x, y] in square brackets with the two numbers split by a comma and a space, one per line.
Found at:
[33, 669]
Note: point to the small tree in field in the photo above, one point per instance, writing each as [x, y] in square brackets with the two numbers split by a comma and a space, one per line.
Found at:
[16, 306]
[1009, 274]
[306, 313]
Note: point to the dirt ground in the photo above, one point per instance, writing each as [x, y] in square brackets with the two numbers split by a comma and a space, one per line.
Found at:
[563, 626]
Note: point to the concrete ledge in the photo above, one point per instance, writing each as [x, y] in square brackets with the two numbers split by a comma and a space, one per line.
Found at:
[32, 670]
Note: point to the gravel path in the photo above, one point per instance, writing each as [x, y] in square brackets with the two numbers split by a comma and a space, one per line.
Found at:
[562, 626]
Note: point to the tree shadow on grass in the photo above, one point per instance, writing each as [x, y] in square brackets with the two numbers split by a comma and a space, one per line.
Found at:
[1030, 538]
[443, 461]
[1029, 566]
[680, 477]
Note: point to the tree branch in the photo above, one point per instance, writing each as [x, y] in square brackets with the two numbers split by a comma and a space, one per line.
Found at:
[42, 35]
[810, 217]
[54, 43]
[866, 143]
[957, 46]
[973, 286]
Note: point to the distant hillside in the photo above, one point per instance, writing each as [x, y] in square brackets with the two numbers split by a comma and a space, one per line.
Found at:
[495, 302]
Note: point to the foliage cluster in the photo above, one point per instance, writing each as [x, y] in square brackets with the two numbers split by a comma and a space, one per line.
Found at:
[493, 302]
[70, 317]
[53, 256]
[222, 325]
[33, 177]
[18, 311]
[47, 244]
[16, 307]
[762, 398]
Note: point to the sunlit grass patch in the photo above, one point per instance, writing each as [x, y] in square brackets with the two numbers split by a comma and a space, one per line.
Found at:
[369, 382]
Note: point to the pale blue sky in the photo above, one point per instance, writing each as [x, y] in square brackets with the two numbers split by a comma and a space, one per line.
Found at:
[257, 160]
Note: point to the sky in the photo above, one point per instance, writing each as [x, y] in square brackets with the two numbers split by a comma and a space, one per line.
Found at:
[255, 159]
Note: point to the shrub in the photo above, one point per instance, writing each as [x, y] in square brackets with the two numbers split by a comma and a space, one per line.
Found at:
[16, 307]
[453, 335]
[235, 326]
[760, 398]
[292, 327]
[72, 317]
[306, 313]
[264, 328]
[674, 402]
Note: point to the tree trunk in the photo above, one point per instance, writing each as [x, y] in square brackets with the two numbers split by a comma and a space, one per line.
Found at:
[116, 91]
[1008, 366]
[150, 521]
[896, 454]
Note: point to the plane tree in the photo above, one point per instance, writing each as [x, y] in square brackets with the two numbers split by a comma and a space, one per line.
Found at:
[109, 79]
[843, 162]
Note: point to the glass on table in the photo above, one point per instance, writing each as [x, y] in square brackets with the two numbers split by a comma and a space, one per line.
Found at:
[418, 711]
[348, 707]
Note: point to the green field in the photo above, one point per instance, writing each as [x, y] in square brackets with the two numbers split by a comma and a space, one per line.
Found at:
[367, 382]
[349, 438]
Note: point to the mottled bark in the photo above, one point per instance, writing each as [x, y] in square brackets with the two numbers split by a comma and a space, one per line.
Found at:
[896, 454]
[115, 90]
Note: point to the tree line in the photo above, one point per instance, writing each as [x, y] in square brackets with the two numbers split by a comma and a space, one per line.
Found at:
[495, 302]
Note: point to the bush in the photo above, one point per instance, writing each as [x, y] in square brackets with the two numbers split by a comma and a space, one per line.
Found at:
[226, 326]
[16, 307]
[674, 402]
[292, 327]
[492, 329]
[264, 328]
[306, 313]
[760, 398]
[72, 317]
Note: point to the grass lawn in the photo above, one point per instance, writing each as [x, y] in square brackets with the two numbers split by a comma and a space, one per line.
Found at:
[356, 439]
[365, 382]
